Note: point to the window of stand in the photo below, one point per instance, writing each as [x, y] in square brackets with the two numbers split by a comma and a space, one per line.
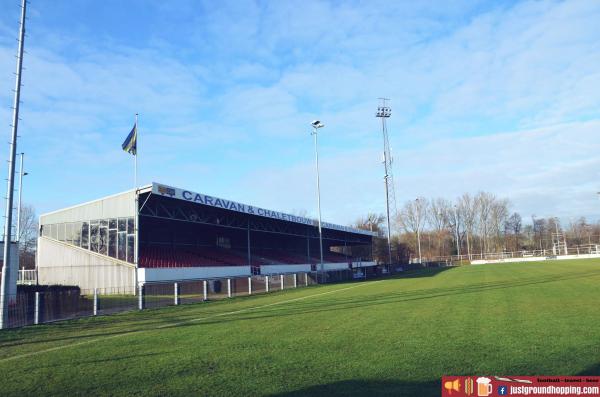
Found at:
[113, 237]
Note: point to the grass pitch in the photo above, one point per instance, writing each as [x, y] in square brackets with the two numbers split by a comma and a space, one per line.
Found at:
[386, 337]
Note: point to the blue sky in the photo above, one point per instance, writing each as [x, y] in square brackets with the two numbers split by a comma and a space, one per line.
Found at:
[496, 96]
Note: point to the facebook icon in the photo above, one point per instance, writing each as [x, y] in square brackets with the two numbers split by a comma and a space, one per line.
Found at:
[502, 390]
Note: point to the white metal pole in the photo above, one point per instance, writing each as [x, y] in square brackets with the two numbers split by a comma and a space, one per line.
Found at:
[137, 140]
[249, 285]
[318, 199]
[176, 293]
[387, 197]
[5, 287]
[19, 205]
[36, 312]
[136, 218]
[419, 230]
[457, 234]
[95, 301]
[141, 297]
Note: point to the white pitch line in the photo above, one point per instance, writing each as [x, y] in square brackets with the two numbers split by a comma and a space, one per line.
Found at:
[259, 307]
[182, 322]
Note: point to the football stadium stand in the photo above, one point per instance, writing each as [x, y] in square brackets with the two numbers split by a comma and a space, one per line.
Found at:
[161, 233]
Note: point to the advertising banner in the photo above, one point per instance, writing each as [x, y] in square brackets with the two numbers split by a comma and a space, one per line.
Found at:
[212, 201]
[484, 386]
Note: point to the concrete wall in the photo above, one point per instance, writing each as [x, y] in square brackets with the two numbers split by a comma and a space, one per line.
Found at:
[147, 275]
[120, 205]
[64, 264]
[535, 259]
[276, 269]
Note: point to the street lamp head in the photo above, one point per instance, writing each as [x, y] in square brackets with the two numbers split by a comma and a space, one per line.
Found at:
[317, 124]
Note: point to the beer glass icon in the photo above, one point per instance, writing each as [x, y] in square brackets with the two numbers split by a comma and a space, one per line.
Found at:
[484, 387]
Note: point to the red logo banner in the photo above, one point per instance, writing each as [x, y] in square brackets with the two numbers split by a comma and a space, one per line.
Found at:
[484, 386]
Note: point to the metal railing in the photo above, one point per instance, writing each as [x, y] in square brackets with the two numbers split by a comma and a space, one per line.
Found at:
[27, 277]
[584, 249]
[55, 304]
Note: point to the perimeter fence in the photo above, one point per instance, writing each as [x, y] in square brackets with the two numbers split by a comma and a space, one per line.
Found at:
[37, 304]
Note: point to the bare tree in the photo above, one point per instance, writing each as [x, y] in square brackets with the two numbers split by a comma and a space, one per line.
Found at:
[455, 222]
[539, 231]
[484, 208]
[28, 233]
[437, 215]
[469, 210]
[512, 229]
[375, 223]
[528, 236]
[578, 229]
[412, 219]
[498, 217]
[372, 222]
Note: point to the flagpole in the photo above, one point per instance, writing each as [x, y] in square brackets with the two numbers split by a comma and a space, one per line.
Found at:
[137, 133]
[136, 217]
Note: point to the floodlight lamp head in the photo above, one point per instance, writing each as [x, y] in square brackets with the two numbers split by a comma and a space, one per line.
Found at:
[317, 124]
[383, 111]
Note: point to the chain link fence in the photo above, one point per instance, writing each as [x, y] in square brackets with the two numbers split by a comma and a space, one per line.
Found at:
[38, 304]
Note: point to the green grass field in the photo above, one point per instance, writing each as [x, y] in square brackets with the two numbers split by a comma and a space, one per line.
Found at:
[386, 337]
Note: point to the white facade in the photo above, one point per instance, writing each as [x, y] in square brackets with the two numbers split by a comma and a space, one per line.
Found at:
[63, 264]
[61, 261]
[115, 206]
[535, 259]
[147, 275]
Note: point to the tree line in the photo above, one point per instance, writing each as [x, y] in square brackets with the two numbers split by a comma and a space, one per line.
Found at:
[476, 224]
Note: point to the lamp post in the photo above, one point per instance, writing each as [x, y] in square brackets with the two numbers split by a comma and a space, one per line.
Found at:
[316, 124]
[456, 220]
[418, 228]
[19, 205]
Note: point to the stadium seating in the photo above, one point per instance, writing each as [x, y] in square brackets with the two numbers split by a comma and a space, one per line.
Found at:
[279, 256]
[155, 256]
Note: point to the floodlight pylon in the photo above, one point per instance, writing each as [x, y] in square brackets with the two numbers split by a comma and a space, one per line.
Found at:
[384, 112]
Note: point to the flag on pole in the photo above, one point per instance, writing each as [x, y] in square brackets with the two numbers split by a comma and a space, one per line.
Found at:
[130, 143]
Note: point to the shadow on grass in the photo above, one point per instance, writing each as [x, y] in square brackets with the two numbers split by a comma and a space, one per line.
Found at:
[152, 322]
[593, 370]
[364, 387]
[417, 273]
[362, 301]
[148, 319]
[99, 361]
